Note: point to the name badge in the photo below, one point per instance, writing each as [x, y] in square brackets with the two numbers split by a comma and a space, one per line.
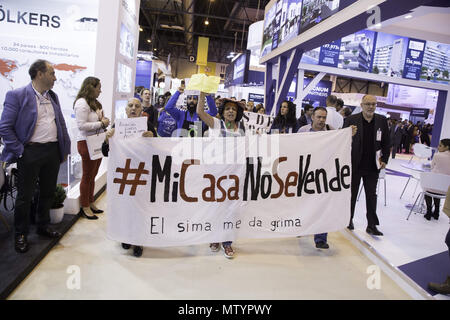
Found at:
[378, 135]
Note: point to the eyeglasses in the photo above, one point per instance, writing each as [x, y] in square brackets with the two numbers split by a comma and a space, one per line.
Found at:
[370, 104]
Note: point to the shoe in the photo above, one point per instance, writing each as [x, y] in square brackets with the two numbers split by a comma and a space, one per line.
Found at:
[137, 251]
[442, 288]
[374, 231]
[21, 243]
[96, 210]
[214, 247]
[126, 246]
[48, 232]
[84, 215]
[228, 251]
[435, 215]
[428, 216]
[322, 245]
[350, 226]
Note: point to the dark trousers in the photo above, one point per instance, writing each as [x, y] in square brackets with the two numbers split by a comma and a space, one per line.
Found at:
[38, 161]
[370, 180]
[428, 201]
[395, 148]
[90, 170]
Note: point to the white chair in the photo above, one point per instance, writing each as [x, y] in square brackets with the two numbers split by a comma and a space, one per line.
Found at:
[423, 152]
[438, 183]
[382, 176]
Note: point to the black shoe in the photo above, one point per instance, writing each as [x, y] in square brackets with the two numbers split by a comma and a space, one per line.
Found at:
[428, 216]
[137, 251]
[442, 288]
[322, 245]
[48, 232]
[374, 231]
[21, 243]
[436, 215]
[126, 246]
[350, 226]
[96, 211]
[84, 215]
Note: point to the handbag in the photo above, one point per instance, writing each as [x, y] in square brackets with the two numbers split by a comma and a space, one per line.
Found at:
[94, 144]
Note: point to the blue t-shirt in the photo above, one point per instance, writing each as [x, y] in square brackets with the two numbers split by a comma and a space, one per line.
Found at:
[166, 124]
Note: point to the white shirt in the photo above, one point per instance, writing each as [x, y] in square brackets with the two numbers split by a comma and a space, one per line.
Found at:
[45, 129]
[88, 121]
[334, 119]
[217, 130]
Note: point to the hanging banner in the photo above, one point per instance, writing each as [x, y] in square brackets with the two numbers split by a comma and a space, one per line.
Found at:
[414, 58]
[203, 190]
[256, 98]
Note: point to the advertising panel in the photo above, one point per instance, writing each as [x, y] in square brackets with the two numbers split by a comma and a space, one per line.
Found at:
[269, 27]
[413, 61]
[329, 54]
[290, 18]
[318, 95]
[61, 32]
[356, 51]
[390, 54]
[315, 11]
[436, 62]
[256, 98]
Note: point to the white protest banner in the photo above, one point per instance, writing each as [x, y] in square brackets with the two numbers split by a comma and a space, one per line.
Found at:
[257, 122]
[202, 190]
[130, 127]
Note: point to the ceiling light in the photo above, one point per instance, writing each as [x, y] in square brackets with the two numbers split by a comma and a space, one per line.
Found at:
[140, 29]
[408, 16]
[149, 41]
[206, 22]
[154, 49]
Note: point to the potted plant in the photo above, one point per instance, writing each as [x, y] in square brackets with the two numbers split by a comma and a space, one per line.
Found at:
[57, 208]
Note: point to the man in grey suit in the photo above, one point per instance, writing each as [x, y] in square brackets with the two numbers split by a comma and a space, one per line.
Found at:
[372, 135]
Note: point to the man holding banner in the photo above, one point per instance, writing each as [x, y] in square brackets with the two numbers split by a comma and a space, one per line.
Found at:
[188, 124]
[372, 137]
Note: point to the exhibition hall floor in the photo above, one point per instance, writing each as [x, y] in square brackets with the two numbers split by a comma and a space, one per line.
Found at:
[290, 268]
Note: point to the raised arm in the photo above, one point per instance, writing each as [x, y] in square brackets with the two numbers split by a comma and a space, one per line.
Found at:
[170, 106]
[206, 118]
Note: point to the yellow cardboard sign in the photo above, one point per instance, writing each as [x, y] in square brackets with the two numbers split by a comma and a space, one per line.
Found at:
[202, 82]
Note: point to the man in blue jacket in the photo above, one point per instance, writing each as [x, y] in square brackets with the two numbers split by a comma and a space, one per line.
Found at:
[188, 122]
[35, 136]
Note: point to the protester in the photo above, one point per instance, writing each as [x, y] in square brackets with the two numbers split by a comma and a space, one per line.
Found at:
[345, 112]
[133, 109]
[90, 121]
[340, 105]
[149, 111]
[250, 106]
[35, 136]
[186, 119]
[444, 288]
[160, 103]
[334, 119]
[231, 113]
[372, 135]
[306, 117]
[439, 164]
[285, 121]
[137, 92]
[261, 109]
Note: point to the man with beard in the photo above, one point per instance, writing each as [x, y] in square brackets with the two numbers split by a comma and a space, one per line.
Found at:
[188, 123]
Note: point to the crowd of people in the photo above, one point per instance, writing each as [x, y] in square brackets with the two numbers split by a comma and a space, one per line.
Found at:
[35, 136]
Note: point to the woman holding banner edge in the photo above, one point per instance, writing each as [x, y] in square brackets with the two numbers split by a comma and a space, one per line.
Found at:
[229, 125]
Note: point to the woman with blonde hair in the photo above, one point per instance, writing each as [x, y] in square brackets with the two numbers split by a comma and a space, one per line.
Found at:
[90, 121]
